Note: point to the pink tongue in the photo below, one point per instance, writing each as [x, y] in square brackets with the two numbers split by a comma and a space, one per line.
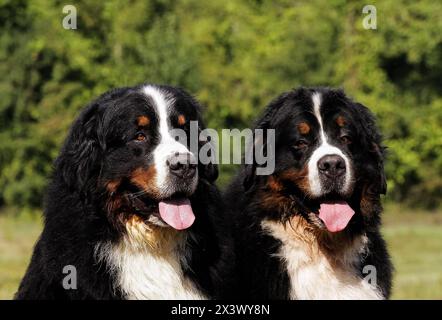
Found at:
[177, 213]
[335, 215]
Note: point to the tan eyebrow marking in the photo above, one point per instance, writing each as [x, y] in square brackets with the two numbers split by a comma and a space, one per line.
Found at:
[340, 121]
[143, 121]
[303, 128]
[181, 120]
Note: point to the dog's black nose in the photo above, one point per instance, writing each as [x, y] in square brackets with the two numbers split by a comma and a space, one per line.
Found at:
[180, 165]
[332, 166]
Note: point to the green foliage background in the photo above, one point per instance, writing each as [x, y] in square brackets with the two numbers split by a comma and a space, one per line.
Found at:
[234, 56]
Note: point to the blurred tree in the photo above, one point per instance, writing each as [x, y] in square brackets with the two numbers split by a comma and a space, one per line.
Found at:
[235, 56]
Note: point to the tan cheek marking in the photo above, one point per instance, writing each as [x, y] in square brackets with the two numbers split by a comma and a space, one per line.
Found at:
[112, 186]
[273, 201]
[273, 198]
[114, 205]
[274, 184]
[340, 121]
[143, 121]
[144, 178]
[181, 120]
[303, 128]
[299, 178]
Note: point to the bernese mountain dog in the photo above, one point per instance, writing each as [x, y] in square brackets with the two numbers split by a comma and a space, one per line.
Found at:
[127, 208]
[310, 230]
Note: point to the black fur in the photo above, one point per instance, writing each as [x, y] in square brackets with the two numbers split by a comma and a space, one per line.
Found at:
[261, 274]
[98, 149]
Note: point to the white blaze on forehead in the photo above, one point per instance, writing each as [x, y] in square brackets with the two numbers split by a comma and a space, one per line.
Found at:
[316, 98]
[324, 149]
[161, 105]
[167, 145]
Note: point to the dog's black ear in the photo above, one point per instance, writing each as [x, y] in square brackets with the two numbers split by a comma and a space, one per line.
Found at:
[79, 159]
[249, 176]
[380, 186]
[249, 169]
[375, 147]
[260, 143]
[382, 183]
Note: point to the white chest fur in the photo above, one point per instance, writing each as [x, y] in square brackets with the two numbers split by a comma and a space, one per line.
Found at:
[316, 275]
[143, 271]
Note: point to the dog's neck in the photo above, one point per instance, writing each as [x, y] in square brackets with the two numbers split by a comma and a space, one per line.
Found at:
[161, 241]
[320, 265]
[148, 262]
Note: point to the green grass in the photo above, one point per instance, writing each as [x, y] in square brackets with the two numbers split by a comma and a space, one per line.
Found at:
[414, 240]
[415, 243]
[17, 238]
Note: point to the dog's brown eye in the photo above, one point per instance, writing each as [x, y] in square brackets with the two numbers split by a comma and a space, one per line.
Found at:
[301, 144]
[140, 136]
[345, 139]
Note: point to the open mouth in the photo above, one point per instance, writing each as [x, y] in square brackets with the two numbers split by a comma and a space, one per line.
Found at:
[176, 210]
[335, 213]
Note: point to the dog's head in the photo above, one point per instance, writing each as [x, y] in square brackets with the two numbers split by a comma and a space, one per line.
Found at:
[132, 147]
[328, 160]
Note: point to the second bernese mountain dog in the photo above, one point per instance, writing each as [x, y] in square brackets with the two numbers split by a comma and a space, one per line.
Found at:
[128, 211]
[310, 230]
